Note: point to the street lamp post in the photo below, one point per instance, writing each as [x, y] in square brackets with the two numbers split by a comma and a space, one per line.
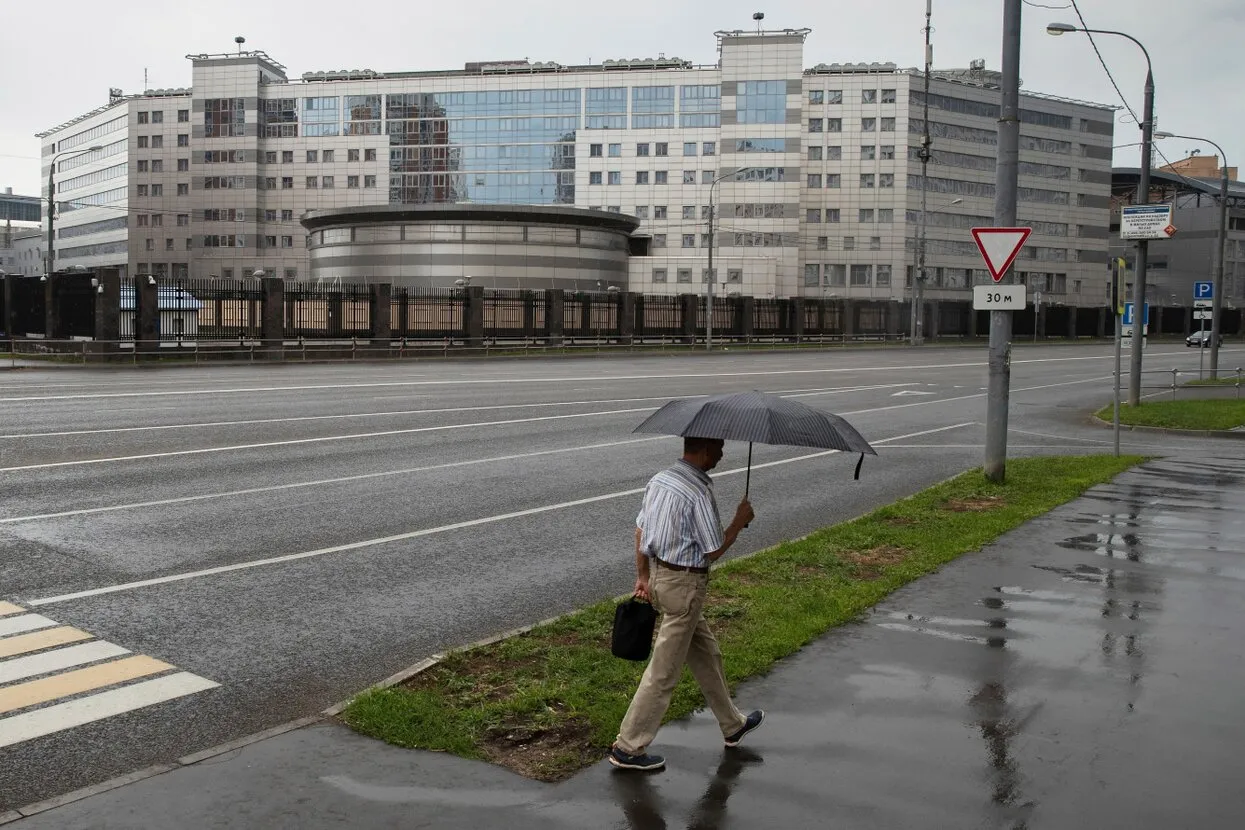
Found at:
[1143, 197]
[709, 283]
[52, 196]
[1217, 298]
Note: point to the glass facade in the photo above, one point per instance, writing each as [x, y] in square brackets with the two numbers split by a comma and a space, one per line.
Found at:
[224, 117]
[762, 102]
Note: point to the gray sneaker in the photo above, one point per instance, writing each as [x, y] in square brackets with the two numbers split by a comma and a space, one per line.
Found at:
[753, 721]
[642, 761]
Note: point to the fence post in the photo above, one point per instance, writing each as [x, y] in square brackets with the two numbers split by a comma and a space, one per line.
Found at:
[1174, 373]
[690, 307]
[272, 317]
[748, 318]
[52, 306]
[146, 314]
[626, 317]
[382, 304]
[473, 314]
[9, 321]
[849, 318]
[796, 309]
[555, 316]
[108, 309]
[529, 315]
[934, 318]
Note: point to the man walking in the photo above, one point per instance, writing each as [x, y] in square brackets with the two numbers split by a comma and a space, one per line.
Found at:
[678, 533]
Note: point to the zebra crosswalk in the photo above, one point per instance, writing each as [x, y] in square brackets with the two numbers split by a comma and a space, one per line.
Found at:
[55, 677]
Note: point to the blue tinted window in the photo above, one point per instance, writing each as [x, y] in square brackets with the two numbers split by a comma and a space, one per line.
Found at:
[652, 99]
[607, 100]
[762, 102]
[700, 98]
[321, 116]
[760, 145]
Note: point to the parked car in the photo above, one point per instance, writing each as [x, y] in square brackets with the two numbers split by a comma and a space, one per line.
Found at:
[1200, 338]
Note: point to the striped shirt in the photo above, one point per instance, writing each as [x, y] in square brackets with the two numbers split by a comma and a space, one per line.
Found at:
[679, 520]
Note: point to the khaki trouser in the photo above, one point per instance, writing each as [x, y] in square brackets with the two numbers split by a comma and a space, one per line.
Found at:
[684, 637]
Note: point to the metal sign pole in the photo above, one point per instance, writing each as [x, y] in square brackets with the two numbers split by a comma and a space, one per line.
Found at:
[1115, 418]
[1201, 347]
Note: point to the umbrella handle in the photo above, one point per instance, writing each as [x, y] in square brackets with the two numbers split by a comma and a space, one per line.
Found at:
[748, 475]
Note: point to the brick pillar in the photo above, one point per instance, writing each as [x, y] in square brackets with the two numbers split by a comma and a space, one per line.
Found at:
[8, 325]
[1103, 314]
[272, 317]
[849, 318]
[52, 306]
[1073, 316]
[931, 329]
[108, 307]
[748, 317]
[1039, 322]
[691, 309]
[795, 307]
[555, 316]
[146, 314]
[626, 316]
[892, 318]
[382, 306]
[473, 314]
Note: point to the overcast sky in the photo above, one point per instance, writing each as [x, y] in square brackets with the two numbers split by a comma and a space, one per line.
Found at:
[59, 64]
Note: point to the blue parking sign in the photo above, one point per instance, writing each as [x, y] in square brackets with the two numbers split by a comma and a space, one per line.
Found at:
[1203, 290]
[1128, 315]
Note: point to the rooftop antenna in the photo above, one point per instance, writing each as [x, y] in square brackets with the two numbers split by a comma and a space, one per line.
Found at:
[758, 17]
[239, 40]
[144, 77]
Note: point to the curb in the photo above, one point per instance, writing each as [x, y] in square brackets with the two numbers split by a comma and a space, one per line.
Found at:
[1191, 433]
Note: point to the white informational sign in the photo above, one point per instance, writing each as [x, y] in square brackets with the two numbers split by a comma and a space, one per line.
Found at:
[998, 297]
[1203, 304]
[1146, 222]
[1203, 314]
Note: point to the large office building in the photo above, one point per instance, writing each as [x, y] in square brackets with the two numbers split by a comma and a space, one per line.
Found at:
[813, 169]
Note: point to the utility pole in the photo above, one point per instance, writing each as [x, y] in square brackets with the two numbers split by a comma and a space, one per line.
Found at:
[1216, 325]
[709, 286]
[1006, 173]
[1143, 245]
[918, 276]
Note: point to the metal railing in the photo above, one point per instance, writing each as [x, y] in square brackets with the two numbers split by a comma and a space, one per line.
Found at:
[1175, 385]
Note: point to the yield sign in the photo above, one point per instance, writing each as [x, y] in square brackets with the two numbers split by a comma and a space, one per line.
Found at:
[999, 247]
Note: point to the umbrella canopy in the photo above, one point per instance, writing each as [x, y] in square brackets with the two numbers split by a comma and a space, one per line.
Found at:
[756, 417]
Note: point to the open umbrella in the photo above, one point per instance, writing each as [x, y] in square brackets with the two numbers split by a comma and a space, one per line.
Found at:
[760, 418]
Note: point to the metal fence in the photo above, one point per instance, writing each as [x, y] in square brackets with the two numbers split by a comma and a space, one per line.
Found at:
[658, 316]
[211, 309]
[427, 313]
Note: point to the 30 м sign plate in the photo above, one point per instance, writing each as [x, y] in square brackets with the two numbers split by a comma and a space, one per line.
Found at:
[999, 297]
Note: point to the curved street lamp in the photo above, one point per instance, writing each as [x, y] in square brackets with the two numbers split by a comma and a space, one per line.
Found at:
[1217, 298]
[94, 148]
[1143, 197]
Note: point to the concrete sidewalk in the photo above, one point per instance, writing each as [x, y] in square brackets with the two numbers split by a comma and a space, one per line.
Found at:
[1084, 671]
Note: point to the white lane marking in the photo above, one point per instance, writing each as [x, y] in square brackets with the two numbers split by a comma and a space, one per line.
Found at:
[968, 397]
[325, 481]
[1058, 437]
[24, 622]
[444, 410]
[61, 658]
[294, 441]
[555, 379]
[911, 392]
[415, 534]
[18, 728]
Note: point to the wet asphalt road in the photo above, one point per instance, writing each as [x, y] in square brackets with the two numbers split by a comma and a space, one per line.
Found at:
[418, 506]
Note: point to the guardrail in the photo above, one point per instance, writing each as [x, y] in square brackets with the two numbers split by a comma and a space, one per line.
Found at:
[1175, 385]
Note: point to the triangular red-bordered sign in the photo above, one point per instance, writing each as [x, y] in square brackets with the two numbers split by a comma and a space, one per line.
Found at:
[999, 247]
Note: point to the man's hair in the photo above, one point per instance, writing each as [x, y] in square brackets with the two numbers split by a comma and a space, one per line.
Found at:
[692, 445]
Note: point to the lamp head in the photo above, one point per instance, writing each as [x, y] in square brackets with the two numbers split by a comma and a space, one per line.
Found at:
[151, 280]
[1162, 134]
[1060, 28]
[95, 148]
[258, 273]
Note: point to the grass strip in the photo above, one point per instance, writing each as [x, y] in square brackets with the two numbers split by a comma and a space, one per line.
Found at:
[1193, 415]
[548, 702]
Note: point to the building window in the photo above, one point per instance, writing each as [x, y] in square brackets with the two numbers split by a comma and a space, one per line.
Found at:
[689, 177]
[866, 215]
[683, 275]
[886, 180]
[814, 180]
[868, 153]
[660, 212]
[834, 153]
[705, 212]
[328, 182]
[157, 117]
[834, 274]
[369, 181]
[596, 150]
[689, 211]
[641, 212]
[287, 216]
[183, 219]
[270, 216]
[861, 274]
[327, 156]
[888, 125]
[183, 116]
[183, 140]
[352, 181]
[886, 216]
[141, 220]
[352, 155]
[661, 177]
[659, 240]
[689, 241]
[866, 180]
[141, 190]
[689, 148]
[882, 275]
[157, 142]
[706, 177]
[761, 102]
[615, 151]
[886, 152]
[142, 165]
[291, 273]
[183, 165]
[833, 214]
[888, 96]
[157, 220]
[641, 177]
[151, 244]
[287, 182]
[312, 182]
[142, 118]
[875, 243]
[816, 125]
[816, 96]
[868, 96]
[709, 148]
[183, 189]
[641, 149]
[270, 183]
[812, 274]
[849, 243]
[594, 177]
[659, 275]
[287, 156]
[812, 215]
[834, 125]
[287, 242]
[662, 148]
[142, 142]
[734, 275]
[615, 177]
[313, 156]
[270, 242]
[157, 165]
[833, 180]
[369, 155]
[814, 154]
[868, 125]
